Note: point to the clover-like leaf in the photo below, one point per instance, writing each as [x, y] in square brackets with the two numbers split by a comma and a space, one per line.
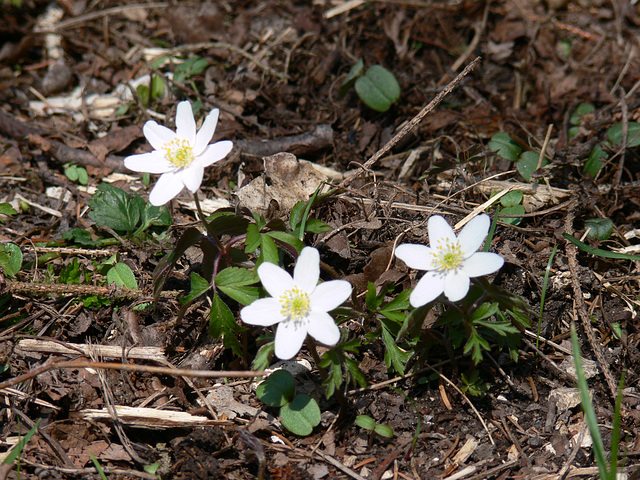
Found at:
[614, 134]
[505, 146]
[599, 228]
[378, 88]
[515, 210]
[300, 415]
[511, 199]
[278, 389]
[528, 164]
[595, 161]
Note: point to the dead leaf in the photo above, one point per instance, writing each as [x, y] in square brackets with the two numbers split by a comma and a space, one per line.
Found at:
[115, 141]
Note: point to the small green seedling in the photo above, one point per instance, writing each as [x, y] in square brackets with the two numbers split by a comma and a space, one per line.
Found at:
[76, 173]
[528, 164]
[512, 205]
[368, 423]
[377, 87]
[147, 93]
[580, 111]
[191, 67]
[599, 228]
[596, 160]
[505, 146]
[298, 413]
[7, 209]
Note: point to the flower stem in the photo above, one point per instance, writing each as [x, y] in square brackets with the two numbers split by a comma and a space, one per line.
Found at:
[210, 231]
[344, 403]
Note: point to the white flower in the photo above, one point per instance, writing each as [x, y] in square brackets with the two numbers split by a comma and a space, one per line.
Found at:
[450, 261]
[179, 156]
[299, 305]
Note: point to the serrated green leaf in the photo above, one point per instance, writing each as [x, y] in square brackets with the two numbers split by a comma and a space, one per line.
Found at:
[528, 164]
[236, 276]
[378, 88]
[268, 250]
[112, 207]
[614, 134]
[223, 325]
[366, 422]
[199, 286]
[599, 228]
[301, 415]
[7, 209]
[485, 310]
[278, 389]
[122, 276]
[476, 344]
[505, 146]
[393, 355]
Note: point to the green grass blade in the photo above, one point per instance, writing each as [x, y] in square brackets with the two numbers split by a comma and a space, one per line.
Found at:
[545, 284]
[598, 251]
[17, 450]
[589, 412]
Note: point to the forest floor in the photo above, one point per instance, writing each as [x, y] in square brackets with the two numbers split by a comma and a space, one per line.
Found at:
[78, 80]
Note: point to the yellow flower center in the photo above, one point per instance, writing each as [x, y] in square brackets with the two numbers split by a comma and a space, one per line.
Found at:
[178, 152]
[295, 304]
[447, 256]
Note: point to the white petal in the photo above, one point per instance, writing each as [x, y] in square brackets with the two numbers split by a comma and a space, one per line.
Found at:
[152, 162]
[322, 327]
[330, 295]
[419, 257]
[430, 286]
[214, 153]
[482, 263]
[274, 279]
[439, 230]
[185, 123]
[157, 135]
[473, 234]
[192, 176]
[168, 186]
[264, 312]
[307, 270]
[289, 338]
[456, 286]
[205, 134]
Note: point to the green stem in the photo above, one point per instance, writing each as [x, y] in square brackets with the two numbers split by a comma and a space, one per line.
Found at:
[344, 403]
[210, 231]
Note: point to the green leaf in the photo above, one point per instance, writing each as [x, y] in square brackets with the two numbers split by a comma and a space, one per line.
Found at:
[476, 344]
[287, 238]
[242, 295]
[599, 228]
[505, 146]
[223, 325]
[485, 310]
[199, 286]
[528, 164]
[157, 87]
[384, 431]
[154, 216]
[366, 422]
[15, 452]
[595, 161]
[378, 88]
[598, 251]
[71, 171]
[112, 207]
[517, 210]
[393, 355]
[352, 76]
[122, 276]
[580, 111]
[278, 389]
[10, 259]
[317, 226]
[263, 355]
[236, 276]
[7, 209]
[614, 134]
[300, 415]
[511, 199]
[268, 250]
[253, 238]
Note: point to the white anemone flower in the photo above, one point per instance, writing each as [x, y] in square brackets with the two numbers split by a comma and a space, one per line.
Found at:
[298, 304]
[179, 156]
[450, 261]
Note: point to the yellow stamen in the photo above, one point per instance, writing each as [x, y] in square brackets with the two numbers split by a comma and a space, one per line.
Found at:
[295, 304]
[178, 152]
[447, 255]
